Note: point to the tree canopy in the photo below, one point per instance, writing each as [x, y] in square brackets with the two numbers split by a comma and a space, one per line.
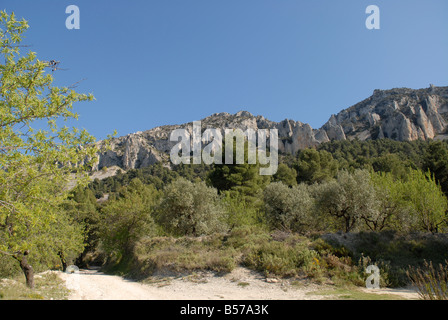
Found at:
[38, 157]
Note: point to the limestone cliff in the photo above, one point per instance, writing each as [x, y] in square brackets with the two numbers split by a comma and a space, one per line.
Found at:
[401, 114]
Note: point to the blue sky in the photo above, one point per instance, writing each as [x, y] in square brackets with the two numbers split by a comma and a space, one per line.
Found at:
[156, 62]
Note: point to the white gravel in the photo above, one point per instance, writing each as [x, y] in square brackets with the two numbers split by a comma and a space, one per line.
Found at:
[241, 284]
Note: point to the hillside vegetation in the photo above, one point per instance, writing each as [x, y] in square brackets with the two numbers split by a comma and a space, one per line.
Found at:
[326, 214]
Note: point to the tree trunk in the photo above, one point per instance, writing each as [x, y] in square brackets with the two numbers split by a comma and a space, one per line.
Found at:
[27, 269]
[63, 261]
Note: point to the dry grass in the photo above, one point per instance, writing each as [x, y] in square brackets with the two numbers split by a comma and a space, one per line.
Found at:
[48, 286]
[432, 282]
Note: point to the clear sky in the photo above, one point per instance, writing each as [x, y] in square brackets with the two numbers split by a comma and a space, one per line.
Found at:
[156, 62]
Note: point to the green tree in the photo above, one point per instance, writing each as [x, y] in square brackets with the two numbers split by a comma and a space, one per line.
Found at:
[315, 166]
[36, 164]
[240, 211]
[188, 208]
[286, 175]
[436, 160]
[125, 220]
[81, 206]
[389, 195]
[391, 163]
[349, 199]
[424, 198]
[289, 208]
[244, 178]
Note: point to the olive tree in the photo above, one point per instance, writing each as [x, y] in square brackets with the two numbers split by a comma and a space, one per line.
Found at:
[188, 208]
[349, 199]
[289, 208]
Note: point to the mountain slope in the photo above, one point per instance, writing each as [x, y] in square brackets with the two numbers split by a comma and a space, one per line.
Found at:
[400, 114]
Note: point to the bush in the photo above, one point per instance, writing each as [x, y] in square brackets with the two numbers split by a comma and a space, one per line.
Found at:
[276, 258]
[166, 254]
[8, 267]
[285, 258]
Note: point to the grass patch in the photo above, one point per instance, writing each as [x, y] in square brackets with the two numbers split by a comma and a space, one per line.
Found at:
[48, 286]
[343, 293]
[243, 284]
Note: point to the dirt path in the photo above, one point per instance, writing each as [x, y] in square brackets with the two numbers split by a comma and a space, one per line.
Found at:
[241, 284]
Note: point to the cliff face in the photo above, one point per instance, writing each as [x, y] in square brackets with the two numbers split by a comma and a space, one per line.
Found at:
[401, 114]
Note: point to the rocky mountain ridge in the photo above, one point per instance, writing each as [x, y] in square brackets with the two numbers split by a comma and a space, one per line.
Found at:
[401, 114]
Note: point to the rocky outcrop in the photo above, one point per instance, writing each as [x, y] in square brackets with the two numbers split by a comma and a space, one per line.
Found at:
[401, 114]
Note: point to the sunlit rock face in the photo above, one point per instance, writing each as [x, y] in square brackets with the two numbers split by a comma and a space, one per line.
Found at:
[400, 114]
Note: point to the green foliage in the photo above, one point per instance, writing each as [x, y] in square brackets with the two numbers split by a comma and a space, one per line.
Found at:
[188, 208]
[156, 174]
[414, 202]
[315, 166]
[82, 207]
[289, 208]
[426, 201]
[243, 178]
[8, 267]
[436, 161]
[391, 211]
[391, 163]
[349, 199]
[240, 211]
[358, 154]
[128, 218]
[37, 164]
[286, 175]
[281, 259]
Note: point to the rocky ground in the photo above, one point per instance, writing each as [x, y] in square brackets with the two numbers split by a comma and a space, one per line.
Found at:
[241, 284]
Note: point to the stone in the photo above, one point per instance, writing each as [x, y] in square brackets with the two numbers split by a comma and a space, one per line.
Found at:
[401, 114]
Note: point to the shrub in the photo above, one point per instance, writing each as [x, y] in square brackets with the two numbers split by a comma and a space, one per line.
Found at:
[280, 258]
[184, 254]
[431, 282]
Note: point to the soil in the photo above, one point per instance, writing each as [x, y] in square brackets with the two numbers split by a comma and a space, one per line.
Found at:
[240, 284]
